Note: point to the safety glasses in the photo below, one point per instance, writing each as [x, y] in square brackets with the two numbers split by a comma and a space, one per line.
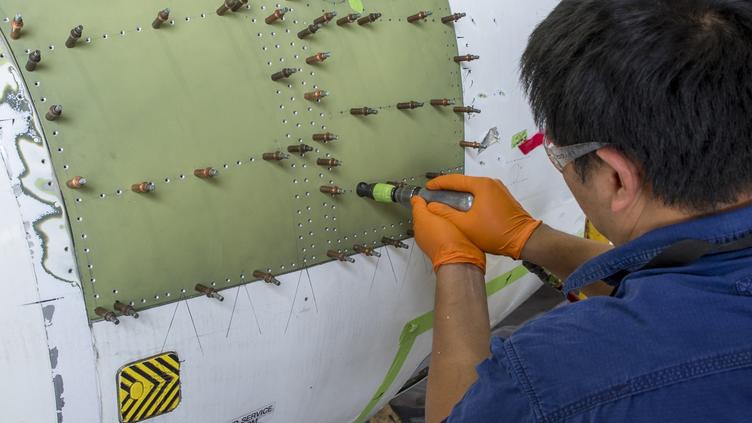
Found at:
[562, 156]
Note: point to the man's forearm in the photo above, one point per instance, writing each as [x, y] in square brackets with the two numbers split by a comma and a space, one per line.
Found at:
[559, 252]
[461, 337]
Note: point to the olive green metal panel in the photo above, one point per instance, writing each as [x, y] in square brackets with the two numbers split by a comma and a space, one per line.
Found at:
[153, 105]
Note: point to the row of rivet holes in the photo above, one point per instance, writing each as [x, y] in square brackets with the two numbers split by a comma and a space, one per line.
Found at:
[188, 19]
[242, 275]
[182, 176]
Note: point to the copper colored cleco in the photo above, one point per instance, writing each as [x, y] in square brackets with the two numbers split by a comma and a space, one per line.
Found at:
[205, 173]
[266, 277]
[318, 58]
[453, 18]
[15, 27]
[352, 17]
[331, 190]
[442, 102]
[419, 16]
[77, 182]
[324, 137]
[161, 18]
[278, 14]
[339, 256]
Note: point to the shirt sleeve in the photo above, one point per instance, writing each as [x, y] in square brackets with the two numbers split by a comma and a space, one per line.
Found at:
[495, 396]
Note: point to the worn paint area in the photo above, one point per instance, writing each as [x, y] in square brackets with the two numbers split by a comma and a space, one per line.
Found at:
[27, 162]
[25, 158]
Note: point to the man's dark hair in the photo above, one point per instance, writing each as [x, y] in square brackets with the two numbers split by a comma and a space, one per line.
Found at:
[666, 82]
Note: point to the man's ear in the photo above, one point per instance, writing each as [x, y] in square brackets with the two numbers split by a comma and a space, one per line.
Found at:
[624, 178]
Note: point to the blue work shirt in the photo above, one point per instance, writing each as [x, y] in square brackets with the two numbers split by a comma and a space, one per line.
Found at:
[671, 344]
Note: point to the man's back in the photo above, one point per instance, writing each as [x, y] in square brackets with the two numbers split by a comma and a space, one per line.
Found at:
[672, 345]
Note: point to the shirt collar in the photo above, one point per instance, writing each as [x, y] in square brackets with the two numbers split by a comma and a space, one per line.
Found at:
[718, 228]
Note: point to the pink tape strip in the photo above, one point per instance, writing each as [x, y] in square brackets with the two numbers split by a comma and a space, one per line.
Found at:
[532, 143]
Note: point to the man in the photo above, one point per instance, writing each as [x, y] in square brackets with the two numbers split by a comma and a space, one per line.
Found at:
[647, 107]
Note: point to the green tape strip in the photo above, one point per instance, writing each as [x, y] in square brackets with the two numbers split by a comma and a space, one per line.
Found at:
[421, 325]
[357, 5]
[383, 193]
[519, 138]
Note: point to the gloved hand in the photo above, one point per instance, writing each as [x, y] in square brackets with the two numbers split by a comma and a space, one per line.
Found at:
[496, 223]
[442, 241]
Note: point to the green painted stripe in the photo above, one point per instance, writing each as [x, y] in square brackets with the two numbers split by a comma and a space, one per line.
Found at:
[421, 325]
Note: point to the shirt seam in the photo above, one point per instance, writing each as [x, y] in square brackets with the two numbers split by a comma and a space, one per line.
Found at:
[524, 381]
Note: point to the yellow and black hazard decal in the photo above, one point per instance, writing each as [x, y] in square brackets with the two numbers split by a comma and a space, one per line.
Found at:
[149, 387]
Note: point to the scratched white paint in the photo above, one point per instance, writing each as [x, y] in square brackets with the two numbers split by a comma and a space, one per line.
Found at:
[27, 394]
[68, 352]
[319, 345]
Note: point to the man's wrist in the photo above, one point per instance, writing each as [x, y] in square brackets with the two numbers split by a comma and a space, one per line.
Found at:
[470, 268]
[537, 244]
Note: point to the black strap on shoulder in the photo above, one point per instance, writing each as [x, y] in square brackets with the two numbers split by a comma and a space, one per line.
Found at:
[686, 252]
[690, 250]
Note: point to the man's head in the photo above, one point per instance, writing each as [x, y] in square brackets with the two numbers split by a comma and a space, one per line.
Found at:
[668, 85]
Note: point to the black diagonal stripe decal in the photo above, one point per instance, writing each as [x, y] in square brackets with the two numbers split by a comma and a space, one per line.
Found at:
[152, 392]
[151, 401]
[169, 366]
[171, 388]
[160, 378]
[127, 377]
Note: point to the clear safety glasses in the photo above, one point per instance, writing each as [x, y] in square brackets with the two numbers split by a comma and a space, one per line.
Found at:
[562, 156]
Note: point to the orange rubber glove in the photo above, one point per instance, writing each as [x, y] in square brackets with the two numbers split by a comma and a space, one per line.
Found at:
[442, 242]
[496, 223]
